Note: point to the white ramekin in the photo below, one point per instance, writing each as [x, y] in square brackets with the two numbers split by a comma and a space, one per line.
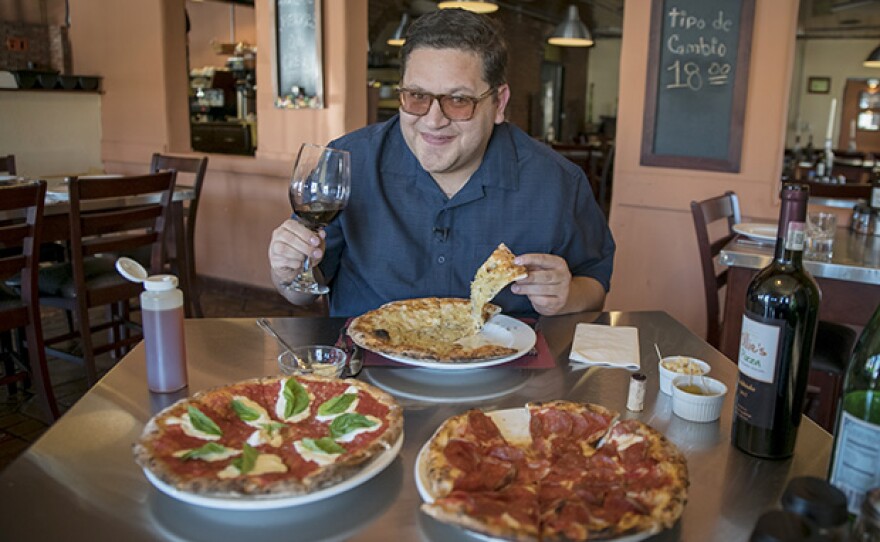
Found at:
[698, 408]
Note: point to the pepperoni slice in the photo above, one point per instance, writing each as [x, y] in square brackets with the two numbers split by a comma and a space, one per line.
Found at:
[483, 428]
[489, 474]
[462, 454]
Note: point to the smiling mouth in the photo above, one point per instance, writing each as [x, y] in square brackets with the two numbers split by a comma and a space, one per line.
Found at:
[435, 139]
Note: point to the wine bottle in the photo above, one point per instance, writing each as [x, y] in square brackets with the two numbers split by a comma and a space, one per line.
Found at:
[778, 332]
[855, 463]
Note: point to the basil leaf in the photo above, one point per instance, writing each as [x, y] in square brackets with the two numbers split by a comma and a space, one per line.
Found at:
[324, 445]
[201, 422]
[248, 459]
[246, 413]
[272, 427]
[347, 423]
[204, 451]
[337, 405]
[297, 398]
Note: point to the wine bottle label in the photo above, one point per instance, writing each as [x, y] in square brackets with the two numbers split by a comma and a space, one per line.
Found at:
[757, 362]
[795, 236]
[856, 467]
[875, 197]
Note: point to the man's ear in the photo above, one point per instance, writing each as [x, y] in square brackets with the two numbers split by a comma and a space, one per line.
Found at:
[502, 96]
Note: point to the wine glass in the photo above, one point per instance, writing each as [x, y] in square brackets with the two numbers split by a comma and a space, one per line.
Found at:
[319, 189]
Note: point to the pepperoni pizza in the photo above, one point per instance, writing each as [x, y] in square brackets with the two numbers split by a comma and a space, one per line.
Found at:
[572, 472]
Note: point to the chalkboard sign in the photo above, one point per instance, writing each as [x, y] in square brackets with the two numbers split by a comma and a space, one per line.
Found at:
[698, 68]
[298, 54]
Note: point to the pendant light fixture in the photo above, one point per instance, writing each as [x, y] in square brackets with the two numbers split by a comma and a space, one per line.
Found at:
[484, 6]
[399, 35]
[571, 32]
[873, 60]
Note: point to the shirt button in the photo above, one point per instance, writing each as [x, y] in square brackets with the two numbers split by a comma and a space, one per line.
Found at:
[441, 259]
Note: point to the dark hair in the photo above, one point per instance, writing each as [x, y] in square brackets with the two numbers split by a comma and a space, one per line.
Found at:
[462, 30]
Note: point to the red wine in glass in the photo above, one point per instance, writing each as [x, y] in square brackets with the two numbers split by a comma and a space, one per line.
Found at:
[318, 191]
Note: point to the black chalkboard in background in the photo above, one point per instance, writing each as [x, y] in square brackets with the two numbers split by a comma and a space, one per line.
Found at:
[298, 54]
[698, 68]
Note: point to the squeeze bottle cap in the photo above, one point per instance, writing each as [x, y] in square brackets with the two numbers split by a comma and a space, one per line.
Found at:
[135, 272]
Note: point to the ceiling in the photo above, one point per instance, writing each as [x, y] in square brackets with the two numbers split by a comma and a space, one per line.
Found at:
[818, 18]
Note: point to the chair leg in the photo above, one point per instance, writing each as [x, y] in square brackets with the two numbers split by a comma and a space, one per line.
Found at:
[88, 354]
[8, 360]
[40, 370]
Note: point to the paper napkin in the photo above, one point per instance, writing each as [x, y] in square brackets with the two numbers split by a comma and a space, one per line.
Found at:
[606, 346]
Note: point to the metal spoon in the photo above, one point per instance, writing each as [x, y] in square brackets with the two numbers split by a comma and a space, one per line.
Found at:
[304, 364]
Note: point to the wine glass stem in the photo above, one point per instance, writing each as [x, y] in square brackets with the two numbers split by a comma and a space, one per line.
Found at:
[306, 275]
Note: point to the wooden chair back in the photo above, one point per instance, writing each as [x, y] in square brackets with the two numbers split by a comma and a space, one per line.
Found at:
[196, 167]
[7, 164]
[124, 228]
[706, 213]
[20, 242]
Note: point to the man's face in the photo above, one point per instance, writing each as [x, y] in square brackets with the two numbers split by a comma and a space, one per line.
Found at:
[443, 147]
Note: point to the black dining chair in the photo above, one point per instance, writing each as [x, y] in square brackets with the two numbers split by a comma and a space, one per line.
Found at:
[23, 357]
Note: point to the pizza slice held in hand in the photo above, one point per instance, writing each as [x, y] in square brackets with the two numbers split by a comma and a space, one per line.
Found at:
[493, 276]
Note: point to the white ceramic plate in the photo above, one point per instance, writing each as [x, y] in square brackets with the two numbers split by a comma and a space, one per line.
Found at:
[376, 466]
[514, 426]
[501, 329]
[754, 230]
[447, 387]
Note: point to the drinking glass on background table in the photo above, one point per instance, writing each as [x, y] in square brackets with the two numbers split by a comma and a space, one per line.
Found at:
[820, 235]
[319, 189]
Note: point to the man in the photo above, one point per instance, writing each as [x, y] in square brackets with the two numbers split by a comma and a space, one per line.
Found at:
[438, 187]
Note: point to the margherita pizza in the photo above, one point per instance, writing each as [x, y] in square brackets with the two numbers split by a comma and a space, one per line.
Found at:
[573, 473]
[269, 437]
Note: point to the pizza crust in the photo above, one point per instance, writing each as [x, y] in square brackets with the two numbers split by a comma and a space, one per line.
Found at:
[154, 449]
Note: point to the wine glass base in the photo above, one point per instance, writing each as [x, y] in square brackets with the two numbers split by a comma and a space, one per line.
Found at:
[308, 288]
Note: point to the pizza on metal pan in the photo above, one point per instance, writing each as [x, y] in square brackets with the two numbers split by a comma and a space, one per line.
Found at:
[269, 437]
[575, 473]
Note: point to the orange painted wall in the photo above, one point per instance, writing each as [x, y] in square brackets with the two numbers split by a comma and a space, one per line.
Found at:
[139, 49]
[657, 262]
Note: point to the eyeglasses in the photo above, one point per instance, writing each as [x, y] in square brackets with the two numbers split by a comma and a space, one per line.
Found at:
[455, 107]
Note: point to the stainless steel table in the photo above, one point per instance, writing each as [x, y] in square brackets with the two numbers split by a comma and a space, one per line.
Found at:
[79, 481]
[850, 282]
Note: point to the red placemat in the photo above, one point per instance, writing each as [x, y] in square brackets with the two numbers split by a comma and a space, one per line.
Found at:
[541, 359]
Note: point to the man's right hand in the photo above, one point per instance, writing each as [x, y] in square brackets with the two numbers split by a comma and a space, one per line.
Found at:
[291, 244]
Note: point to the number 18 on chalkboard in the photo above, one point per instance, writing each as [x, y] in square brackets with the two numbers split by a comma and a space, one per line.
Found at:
[697, 78]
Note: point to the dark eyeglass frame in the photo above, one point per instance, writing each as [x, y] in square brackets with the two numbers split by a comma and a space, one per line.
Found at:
[473, 100]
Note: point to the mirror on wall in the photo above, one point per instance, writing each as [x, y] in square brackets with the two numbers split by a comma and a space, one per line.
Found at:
[221, 56]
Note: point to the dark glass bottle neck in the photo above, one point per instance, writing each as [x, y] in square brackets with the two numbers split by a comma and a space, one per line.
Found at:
[792, 228]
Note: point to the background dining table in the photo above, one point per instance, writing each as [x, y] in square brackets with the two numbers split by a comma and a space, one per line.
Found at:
[850, 282]
[56, 218]
[79, 481]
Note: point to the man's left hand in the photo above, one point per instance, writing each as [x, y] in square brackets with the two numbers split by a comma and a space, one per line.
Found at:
[548, 283]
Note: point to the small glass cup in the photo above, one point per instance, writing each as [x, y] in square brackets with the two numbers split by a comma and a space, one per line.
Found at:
[322, 360]
[821, 228]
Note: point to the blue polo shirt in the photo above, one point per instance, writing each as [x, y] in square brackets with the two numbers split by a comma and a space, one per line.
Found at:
[400, 237]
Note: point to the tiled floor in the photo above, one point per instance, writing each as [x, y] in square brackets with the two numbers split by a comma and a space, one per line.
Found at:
[20, 420]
